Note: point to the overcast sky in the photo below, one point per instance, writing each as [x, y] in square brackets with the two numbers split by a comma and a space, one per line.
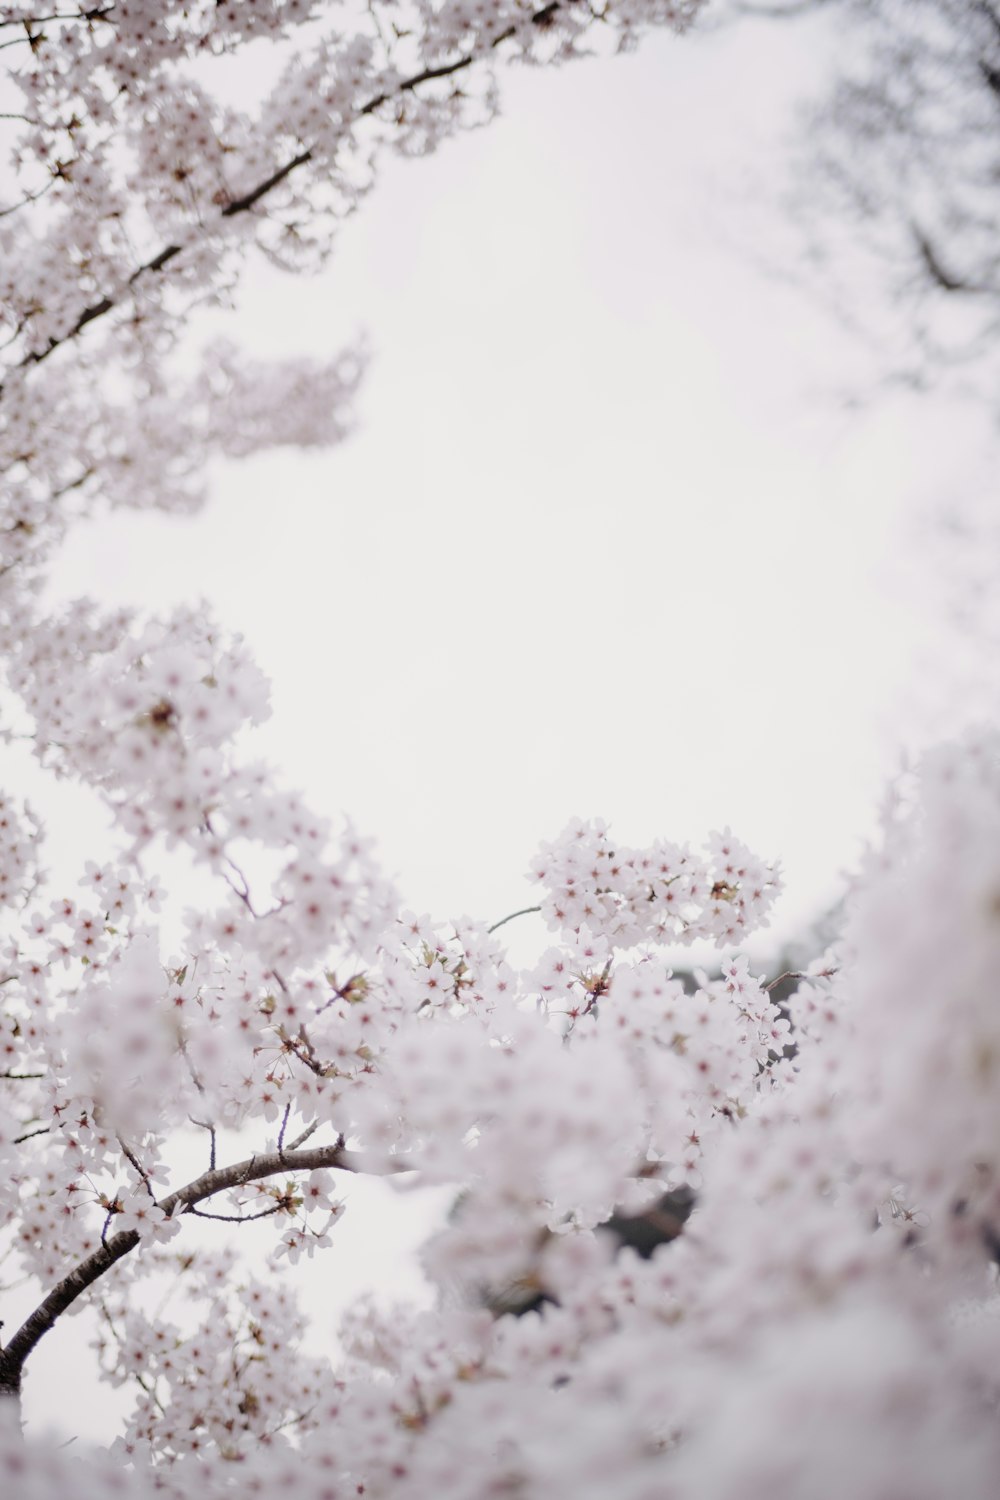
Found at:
[610, 539]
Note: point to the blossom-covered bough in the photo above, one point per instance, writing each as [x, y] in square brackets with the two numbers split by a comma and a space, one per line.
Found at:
[824, 1324]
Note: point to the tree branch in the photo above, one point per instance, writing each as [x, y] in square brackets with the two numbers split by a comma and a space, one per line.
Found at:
[938, 273]
[163, 258]
[265, 1213]
[98, 13]
[12, 208]
[184, 1200]
[779, 12]
[524, 912]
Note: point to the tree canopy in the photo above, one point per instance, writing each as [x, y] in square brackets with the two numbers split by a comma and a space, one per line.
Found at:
[819, 1320]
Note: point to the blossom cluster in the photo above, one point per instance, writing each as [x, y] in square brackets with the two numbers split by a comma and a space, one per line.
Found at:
[824, 1320]
[663, 894]
[139, 194]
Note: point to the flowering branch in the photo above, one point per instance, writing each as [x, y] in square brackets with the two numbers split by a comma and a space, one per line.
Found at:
[541, 18]
[184, 1200]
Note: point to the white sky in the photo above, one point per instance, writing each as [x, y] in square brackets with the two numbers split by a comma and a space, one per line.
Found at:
[607, 541]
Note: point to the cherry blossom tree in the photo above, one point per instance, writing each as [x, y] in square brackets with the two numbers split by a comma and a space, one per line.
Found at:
[825, 1321]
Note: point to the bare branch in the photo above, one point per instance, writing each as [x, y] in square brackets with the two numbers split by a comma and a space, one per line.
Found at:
[136, 1164]
[798, 974]
[779, 12]
[74, 484]
[12, 208]
[788, 974]
[284, 1127]
[937, 272]
[301, 1139]
[524, 912]
[265, 1213]
[207, 1125]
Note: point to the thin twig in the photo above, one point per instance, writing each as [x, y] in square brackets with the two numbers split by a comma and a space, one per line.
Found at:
[131, 1157]
[265, 1213]
[788, 12]
[788, 974]
[524, 912]
[205, 1125]
[182, 1048]
[97, 13]
[74, 484]
[938, 272]
[798, 974]
[309, 1130]
[137, 1375]
[12, 208]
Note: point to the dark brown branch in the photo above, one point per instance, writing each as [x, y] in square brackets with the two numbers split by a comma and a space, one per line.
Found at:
[73, 484]
[98, 13]
[284, 1127]
[265, 1213]
[12, 208]
[185, 1199]
[937, 271]
[207, 1125]
[137, 1166]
